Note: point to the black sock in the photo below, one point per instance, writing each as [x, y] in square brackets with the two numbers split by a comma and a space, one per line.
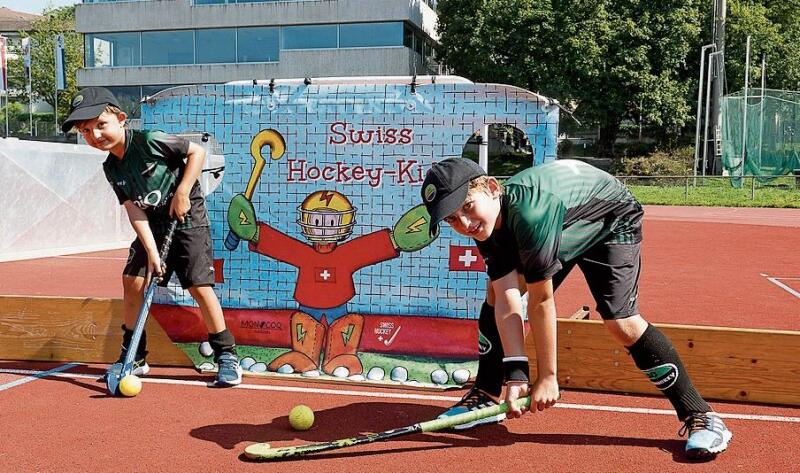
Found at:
[141, 350]
[222, 342]
[656, 356]
[490, 353]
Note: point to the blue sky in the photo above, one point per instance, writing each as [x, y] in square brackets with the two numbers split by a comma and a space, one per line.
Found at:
[35, 6]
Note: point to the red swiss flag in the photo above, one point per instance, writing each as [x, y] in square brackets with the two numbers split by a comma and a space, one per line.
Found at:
[466, 258]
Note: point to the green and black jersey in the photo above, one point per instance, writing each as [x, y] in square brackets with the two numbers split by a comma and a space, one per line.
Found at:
[149, 173]
[555, 212]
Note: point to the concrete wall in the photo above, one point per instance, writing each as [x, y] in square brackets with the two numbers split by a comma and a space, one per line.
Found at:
[178, 14]
[181, 14]
[393, 61]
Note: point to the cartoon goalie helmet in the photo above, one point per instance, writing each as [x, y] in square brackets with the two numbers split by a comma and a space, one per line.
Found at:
[327, 216]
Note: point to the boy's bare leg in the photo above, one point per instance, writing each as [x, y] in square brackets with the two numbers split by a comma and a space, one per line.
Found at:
[133, 296]
[210, 307]
[626, 331]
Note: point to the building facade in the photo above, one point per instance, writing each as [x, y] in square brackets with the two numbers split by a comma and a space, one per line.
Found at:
[137, 48]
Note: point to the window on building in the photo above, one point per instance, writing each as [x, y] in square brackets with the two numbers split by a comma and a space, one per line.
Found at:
[408, 36]
[167, 47]
[128, 98]
[310, 37]
[215, 46]
[365, 35]
[112, 49]
[259, 44]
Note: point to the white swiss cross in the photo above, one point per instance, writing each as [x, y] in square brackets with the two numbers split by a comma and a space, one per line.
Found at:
[468, 258]
[325, 275]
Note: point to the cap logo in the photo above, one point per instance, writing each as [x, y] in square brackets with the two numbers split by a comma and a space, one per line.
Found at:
[430, 192]
[77, 100]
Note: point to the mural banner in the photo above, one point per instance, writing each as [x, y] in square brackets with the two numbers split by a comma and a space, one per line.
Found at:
[324, 263]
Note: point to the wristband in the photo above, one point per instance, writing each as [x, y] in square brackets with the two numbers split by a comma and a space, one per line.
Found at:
[516, 369]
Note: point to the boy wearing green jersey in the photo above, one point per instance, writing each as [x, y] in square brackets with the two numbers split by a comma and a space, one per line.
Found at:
[154, 176]
[537, 226]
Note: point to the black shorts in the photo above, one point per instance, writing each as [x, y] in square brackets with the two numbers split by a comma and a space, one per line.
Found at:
[612, 273]
[190, 257]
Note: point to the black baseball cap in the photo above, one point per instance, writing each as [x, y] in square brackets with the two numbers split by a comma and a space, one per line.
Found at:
[88, 104]
[446, 185]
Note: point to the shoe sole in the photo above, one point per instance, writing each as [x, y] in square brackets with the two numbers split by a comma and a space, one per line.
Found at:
[710, 454]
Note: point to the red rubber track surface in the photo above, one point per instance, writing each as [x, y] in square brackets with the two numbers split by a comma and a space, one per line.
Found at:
[700, 267]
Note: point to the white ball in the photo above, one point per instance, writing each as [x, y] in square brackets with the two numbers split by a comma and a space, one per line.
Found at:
[376, 373]
[439, 376]
[341, 372]
[310, 373]
[286, 369]
[247, 362]
[258, 368]
[356, 377]
[206, 366]
[461, 376]
[399, 374]
[205, 349]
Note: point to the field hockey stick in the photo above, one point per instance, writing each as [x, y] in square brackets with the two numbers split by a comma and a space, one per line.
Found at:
[262, 451]
[112, 381]
[277, 147]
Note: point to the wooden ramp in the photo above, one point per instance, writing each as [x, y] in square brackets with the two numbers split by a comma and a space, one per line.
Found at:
[42, 328]
[725, 363]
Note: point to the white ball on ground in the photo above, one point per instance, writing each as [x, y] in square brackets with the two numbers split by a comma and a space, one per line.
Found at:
[205, 349]
[439, 376]
[341, 372]
[258, 368]
[247, 362]
[376, 373]
[399, 374]
[206, 366]
[356, 377]
[311, 373]
[286, 369]
[461, 375]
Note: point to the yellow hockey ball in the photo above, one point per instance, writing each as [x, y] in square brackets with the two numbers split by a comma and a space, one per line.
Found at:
[130, 385]
[301, 417]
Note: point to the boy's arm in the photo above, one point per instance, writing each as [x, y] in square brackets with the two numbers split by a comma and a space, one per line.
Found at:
[180, 205]
[542, 318]
[508, 315]
[141, 226]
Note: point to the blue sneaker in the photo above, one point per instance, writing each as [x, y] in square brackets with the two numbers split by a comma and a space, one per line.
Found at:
[708, 436]
[473, 400]
[139, 367]
[229, 373]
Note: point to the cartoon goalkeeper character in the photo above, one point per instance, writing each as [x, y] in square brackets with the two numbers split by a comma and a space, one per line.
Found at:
[322, 327]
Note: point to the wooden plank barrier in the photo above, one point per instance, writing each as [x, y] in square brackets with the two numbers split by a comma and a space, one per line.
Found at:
[74, 329]
[724, 363]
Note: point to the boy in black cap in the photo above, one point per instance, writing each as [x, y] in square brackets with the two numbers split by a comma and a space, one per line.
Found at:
[538, 225]
[147, 171]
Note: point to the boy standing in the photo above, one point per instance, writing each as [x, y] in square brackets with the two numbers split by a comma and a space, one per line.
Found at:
[539, 225]
[147, 171]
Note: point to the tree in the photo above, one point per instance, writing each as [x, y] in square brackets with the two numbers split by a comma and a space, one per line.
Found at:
[614, 59]
[42, 35]
[775, 32]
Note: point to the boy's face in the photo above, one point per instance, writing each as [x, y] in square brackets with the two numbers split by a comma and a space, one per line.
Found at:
[105, 132]
[479, 215]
